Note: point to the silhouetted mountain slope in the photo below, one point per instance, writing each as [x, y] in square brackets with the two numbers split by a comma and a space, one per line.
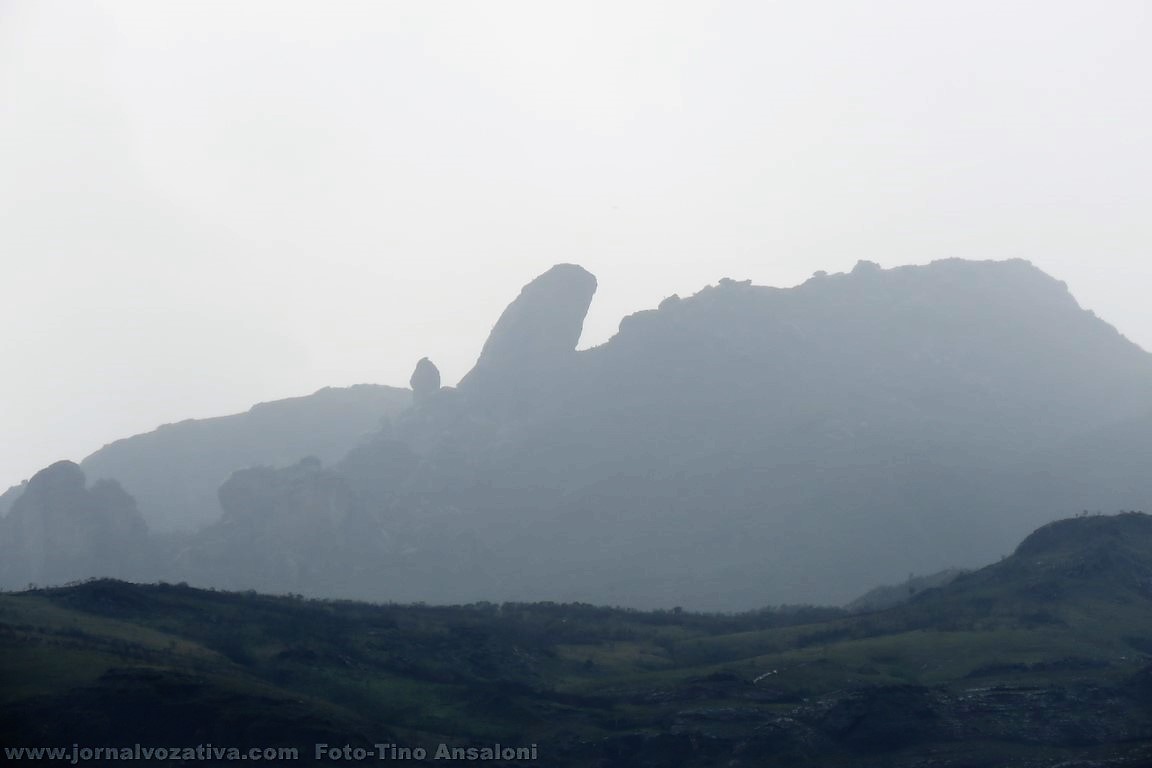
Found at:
[740, 446]
[1043, 660]
[174, 471]
[8, 498]
[890, 595]
[1090, 576]
[795, 444]
[1075, 565]
[910, 360]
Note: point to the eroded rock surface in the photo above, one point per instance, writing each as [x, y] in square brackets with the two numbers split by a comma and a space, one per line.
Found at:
[536, 333]
[59, 529]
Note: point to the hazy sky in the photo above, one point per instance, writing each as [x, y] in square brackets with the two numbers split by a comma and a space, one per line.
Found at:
[206, 205]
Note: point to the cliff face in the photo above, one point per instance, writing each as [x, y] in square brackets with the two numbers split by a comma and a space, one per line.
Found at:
[534, 341]
[60, 530]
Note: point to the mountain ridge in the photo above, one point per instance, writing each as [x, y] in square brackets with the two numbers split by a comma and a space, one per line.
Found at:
[174, 470]
[742, 445]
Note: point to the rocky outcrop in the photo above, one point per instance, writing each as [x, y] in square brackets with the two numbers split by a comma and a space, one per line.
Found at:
[296, 528]
[425, 381]
[535, 334]
[60, 530]
[286, 500]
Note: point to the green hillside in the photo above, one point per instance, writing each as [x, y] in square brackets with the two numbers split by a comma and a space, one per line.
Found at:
[1043, 659]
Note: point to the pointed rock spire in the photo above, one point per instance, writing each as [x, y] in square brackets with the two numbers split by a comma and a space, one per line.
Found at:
[425, 380]
[538, 330]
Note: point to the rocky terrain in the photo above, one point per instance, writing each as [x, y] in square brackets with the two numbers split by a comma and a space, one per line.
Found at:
[62, 529]
[742, 446]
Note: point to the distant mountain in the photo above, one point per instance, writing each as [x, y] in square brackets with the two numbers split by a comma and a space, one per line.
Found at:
[742, 446]
[174, 471]
[1042, 660]
[749, 445]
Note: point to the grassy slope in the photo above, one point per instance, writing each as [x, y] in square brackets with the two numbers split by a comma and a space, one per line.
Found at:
[1044, 656]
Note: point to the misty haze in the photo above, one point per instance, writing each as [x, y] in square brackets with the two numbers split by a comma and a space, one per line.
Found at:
[644, 384]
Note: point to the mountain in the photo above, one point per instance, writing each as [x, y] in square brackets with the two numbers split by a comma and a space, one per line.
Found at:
[174, 472]
[741, 446]
[748, 444]
[1043, 659]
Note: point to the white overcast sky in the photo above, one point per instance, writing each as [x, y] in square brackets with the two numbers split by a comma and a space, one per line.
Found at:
[204, 205]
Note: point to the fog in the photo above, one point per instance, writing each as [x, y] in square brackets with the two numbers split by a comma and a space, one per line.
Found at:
[207, 205]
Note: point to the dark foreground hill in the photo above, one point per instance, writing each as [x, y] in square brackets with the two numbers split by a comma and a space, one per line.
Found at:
[740, 446]
[1042, 660]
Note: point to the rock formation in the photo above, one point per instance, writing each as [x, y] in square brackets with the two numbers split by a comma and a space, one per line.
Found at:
[59, 530]
[286, 500]
[535, 334]
[425, 381]
[296, 528]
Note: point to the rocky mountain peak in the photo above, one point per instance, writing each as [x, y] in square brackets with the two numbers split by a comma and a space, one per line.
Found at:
[541, 327]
